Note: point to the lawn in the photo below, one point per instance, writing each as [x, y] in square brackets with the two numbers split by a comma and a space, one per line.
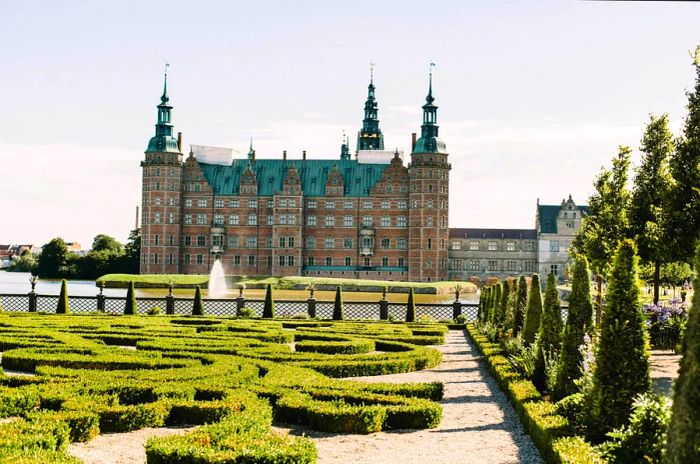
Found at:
[232, 376]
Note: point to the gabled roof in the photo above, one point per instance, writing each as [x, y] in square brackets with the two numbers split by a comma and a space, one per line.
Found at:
[548, 214]
[358, 178]
[513, 234]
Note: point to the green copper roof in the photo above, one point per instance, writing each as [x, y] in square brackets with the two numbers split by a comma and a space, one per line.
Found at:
[548, 217]
[358, 178]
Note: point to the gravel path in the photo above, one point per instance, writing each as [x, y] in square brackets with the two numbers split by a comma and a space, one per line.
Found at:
[664, 370]
[478, 425]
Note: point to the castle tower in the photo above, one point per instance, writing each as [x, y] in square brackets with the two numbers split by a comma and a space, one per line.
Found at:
[428, 199]
[370, 137]
[162, 172]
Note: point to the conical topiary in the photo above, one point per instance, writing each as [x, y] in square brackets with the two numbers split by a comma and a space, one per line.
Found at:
[338, 307]
[549, 335]
[502, 308]
[130, 303]
[533, 312]
[410, 307]
[269, 307]
[493, 316]
[198, 306]
[578, 323]
[63, 305]
[622, 359]
[519, 306]
[683, 446]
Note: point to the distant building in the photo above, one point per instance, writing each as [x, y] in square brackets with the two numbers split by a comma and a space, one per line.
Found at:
[556, 227]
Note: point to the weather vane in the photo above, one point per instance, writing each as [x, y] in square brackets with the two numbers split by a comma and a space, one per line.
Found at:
[432, 65]
[167, 65]
[371, 71]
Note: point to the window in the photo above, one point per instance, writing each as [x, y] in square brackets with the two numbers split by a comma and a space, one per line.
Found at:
[329, 261]
[270, 220]
[252, 241]
[219, 219]
[367, 204]
[510, 265]
[283, 242]
[493, 265]
[554, 269]
[430, 204]
[330, 221]
[188, 240]
[197, 187]
[291, 219]
[155, 258]
[367, 261]
[201, 219]
[430, 221]
[385, 243]
[310, 220]
[554, 245]
[252, 219]
[171, 218]
[237, 260]
[187, 258]
[330, 242]
[202, 203]
[569, 224]
[200, 259]
[347, 242]
[528, 246]
[171, 240]
[292, 204]
[311, 204]
[385, 261]
[310, 242]
[367, 221]
[233, 203]
[385, 221]
[268, 242]
[347, 221]
[233, 219]
[251, 260]
[330, 204]
[270, 203]
[474, 246]
[290, 242]
[252, 203]
[216, 240]
[402, 204]
[428, 264]
[233, 240]
[201, 240]
[401, 221]
[401, 243]
[430, 244]
[347, 204]
[219, 203]
[529, 266]
[493, 246]
[456, 245]
[473, 264]
[290, 260]
[156, 240]
[386, 204]
[283, 202]
[416, 203]
[510, 246]
[157, 218]
[283, 219]
[401, 262]
[310, 260]
[188, 203]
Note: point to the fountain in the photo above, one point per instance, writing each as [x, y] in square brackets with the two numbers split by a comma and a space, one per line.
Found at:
[217, 280]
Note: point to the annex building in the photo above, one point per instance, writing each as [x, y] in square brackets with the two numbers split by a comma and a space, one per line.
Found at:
[363, 216]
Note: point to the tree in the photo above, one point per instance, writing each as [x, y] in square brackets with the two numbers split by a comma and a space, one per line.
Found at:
[622, 360]
[132, 252]
[608, 221]
[24, 263]
[198, 305]
[410, 307]
[533, 311]
[130, 307]
[63, 304]
[269, 307]
[483, 296]
[578, 323]
[676, 273]
[338, 306]
[682, 216]
[549, 334]
[103, 242]
[52, 258]
[650, 195]
[684, 429]
[519, 306]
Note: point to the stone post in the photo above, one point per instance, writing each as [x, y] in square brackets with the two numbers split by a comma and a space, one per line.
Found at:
[170, 301]
[383, 307]
[311, 307]
[457, 305]
[32, 295]
[101, 297]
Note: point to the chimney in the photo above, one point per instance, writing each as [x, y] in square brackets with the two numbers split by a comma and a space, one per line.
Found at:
[284, 155]
[413, 141]
[136, 222]
[179, 142]
[303, 155]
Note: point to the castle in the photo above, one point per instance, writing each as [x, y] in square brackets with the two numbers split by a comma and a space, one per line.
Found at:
[368, 217]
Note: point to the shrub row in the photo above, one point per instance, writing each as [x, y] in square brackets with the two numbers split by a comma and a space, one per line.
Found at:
[551, 432]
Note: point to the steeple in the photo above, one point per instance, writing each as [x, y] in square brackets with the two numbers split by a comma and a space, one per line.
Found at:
[164, 140]
[251, 151]
[345, 148]
[370, 137]
[429, 141]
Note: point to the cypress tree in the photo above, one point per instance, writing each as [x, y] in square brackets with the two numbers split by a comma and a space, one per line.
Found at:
[482, 301]
[338, 307]
[549, 335]
[534, 309]
[130, 304]
[502, 308]
[410, 307]
[269, 307]
[198, 306]
[578, 322]
[684, 429]
[63, 305]
[622, 359]
[487, 304]
[519, 306]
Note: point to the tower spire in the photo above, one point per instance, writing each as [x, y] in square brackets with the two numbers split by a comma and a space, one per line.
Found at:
[345, 148]
[370, 136]
[429, 141]
[251, 151]
[163, 141]
[164, 98]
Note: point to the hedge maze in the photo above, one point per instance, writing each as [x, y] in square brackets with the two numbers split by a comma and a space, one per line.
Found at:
[232, 377]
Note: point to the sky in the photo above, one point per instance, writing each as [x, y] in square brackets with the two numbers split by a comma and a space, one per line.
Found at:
[534, 96]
